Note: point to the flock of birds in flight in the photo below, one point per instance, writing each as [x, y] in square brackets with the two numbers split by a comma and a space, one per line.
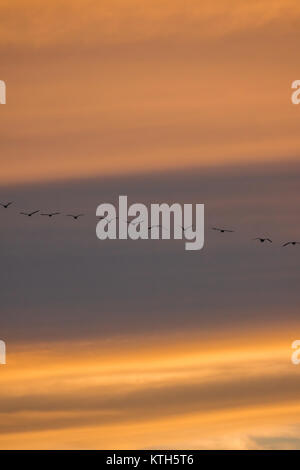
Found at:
[76, 217]
[262, 240]
[47, 214]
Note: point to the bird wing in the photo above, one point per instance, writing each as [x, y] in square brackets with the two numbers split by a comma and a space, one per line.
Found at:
[288, 243]
[5, 204]
[269, 240]
[34, 212]
[135, 223]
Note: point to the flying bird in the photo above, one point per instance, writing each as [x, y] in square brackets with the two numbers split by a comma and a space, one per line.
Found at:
[6, 205]
[51, 214]
[153, 226]
[222, 230]
[262, 240]
[29, 214]
[185, 228]
[110, 220]
[291, 243]
[132, 222]
[75, 217]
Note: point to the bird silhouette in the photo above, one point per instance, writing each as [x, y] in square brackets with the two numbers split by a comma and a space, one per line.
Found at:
[29, 214]
[291, 243]
[160, 226]
[110, 220]
[75, 217]
[185, 228]
[262, 240]
[51, 214]
[6, 205]
[132, 222]
[222, 230]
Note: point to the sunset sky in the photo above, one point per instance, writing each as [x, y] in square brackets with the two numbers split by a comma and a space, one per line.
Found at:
[142, 345]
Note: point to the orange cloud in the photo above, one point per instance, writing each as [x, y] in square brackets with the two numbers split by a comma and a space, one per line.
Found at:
[129, 393]
[124, 87]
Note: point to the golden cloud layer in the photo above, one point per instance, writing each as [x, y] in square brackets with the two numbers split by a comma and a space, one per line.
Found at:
[151, 392]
